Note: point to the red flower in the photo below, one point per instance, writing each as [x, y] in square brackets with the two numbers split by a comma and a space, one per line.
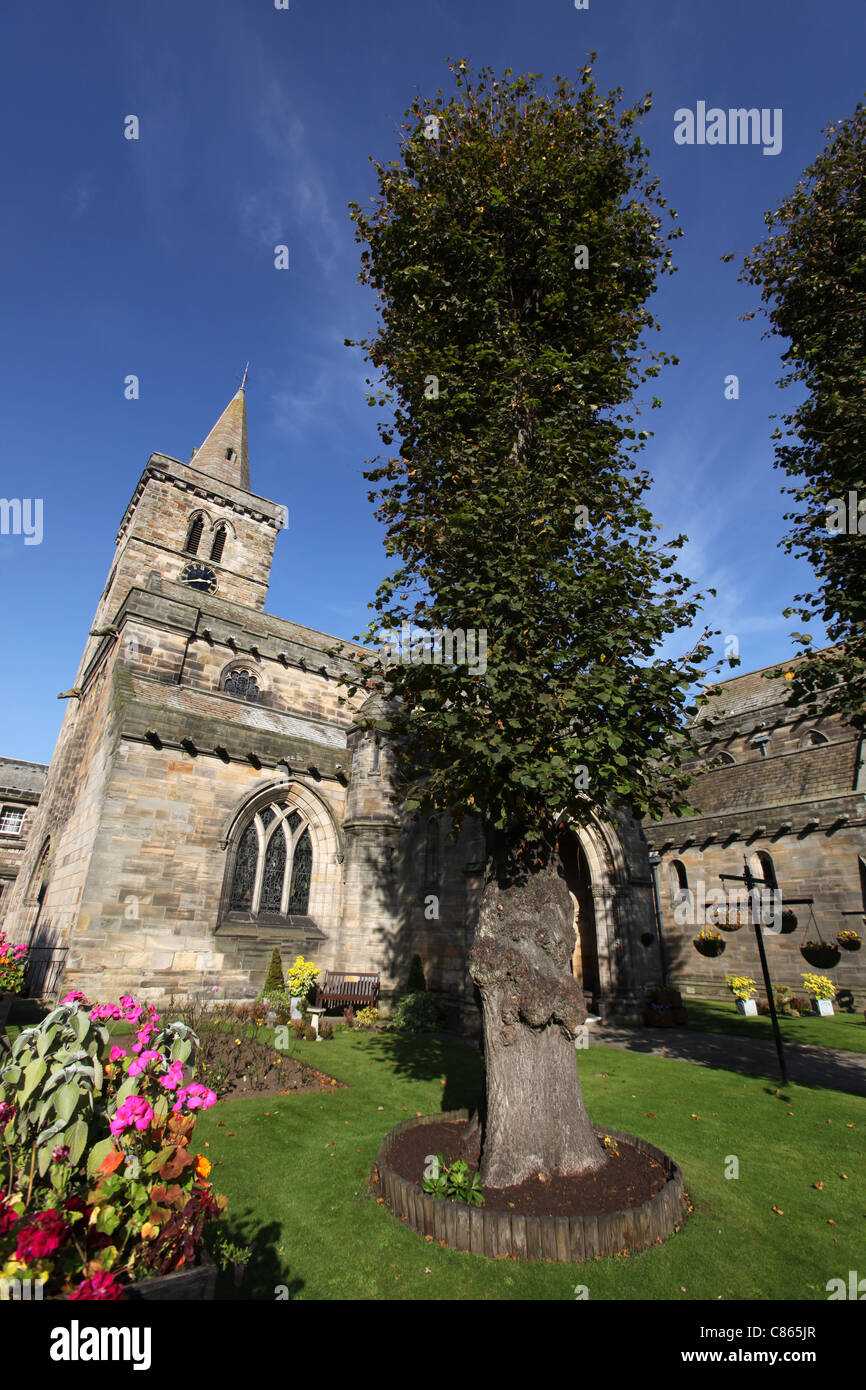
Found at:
[41, 1235]
[101, 1285]
[8, 1217]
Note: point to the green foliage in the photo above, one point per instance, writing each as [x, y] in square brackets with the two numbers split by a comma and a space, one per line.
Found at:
[419, 1013]
[53, 1079]
[416, 983]
[453, 1180]
[367, 1017]
[275, 984]
[812, 272]
[471, 248]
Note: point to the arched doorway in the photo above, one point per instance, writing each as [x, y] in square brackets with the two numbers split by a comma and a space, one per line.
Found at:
[577, 876]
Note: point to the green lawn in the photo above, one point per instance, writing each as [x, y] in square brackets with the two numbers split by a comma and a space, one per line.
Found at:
[846, 1032]
[296, 1170]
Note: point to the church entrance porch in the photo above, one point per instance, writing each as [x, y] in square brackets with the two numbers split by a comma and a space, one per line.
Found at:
[585, 964]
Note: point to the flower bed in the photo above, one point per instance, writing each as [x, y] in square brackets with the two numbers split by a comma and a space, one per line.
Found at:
[99, 1183]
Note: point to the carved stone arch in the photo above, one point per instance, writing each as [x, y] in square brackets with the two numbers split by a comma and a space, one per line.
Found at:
[251, 664]
[197, 515]
[325, 838]
[602, 851]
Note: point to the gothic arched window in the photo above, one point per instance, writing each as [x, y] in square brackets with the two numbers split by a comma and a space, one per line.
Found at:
[219, 541]
[242, 684]
[193, 537]
[762, 866]
[679, 881]
[274, 864]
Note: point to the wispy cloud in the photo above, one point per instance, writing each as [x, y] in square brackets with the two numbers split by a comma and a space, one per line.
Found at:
[294, 198]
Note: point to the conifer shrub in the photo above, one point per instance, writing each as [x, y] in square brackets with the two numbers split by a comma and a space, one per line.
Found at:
[274, 981]
[416, 984]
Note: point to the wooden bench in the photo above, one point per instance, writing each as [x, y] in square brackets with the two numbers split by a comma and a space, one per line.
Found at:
[344, 987]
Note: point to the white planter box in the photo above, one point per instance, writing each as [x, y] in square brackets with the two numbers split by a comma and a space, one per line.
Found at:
[824, 1007]
[748, 1007]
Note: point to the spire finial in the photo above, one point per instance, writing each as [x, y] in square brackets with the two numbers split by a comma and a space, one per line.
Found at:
[244, 381]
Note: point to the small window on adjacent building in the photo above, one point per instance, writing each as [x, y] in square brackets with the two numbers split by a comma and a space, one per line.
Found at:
[431, 852]
[243, 684]
[374, 763]
[678, 880]
[11, 819]
[762, 866]
[813, 739]
[727, 758]
[193, 538]
[219, 540]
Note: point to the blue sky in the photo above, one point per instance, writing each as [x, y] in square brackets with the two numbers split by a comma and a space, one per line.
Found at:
[155, 257]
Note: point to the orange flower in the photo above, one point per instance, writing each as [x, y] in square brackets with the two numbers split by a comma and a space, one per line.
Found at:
[202, 1165]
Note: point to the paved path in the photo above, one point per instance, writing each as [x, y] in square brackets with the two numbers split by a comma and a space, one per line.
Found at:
[810, 1066]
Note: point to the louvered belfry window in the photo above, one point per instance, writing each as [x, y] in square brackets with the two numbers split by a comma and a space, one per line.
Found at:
[193, 539]
[219, 541]
[274, 864]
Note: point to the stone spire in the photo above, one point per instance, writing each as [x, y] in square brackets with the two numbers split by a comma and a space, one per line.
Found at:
[224, 453]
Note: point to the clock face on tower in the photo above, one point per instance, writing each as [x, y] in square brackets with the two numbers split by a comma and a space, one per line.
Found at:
[198, 576]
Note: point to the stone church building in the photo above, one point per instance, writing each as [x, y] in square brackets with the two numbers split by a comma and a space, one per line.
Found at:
[210, 797]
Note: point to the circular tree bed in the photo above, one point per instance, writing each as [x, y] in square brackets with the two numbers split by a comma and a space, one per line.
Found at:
[635, 1200]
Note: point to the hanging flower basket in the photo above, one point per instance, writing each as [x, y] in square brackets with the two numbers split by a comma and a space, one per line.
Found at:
[709, 944]
[730, 924]
[849, 940]
[789, 922]
[822, 954]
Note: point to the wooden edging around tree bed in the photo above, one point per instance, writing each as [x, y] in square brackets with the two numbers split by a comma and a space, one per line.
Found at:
[564, 1238]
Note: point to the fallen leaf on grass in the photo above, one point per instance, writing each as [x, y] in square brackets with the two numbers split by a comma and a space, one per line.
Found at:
[844, 1175]
[819, 1185]
[830, 1221]
[778, 1211]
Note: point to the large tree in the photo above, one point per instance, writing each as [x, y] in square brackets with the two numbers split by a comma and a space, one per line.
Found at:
[513, 245]
[812, 272]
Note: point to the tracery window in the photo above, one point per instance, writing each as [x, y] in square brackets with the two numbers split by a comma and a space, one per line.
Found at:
[274, 864]
[243, 684]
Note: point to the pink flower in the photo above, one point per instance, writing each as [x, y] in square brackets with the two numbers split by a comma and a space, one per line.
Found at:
[73, 997]
[173, 1077]
[194, 1097]
[41, 1235]
[101, 1285]
[105, 1011]
[116, 1053]
[143, 1037]
[134, 1111]
[142, 1062]
[7, 1110]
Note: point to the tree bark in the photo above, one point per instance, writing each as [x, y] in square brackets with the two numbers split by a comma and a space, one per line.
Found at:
[534, 1120]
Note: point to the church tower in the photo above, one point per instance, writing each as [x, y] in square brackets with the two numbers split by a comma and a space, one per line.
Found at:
[192, 813]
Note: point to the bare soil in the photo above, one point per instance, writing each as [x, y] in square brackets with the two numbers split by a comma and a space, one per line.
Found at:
[627, 1179]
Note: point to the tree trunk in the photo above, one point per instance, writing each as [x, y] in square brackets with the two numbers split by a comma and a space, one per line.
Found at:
[534, 1120]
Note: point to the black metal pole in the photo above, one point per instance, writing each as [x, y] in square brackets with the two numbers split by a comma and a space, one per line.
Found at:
[750, 881]
[653, 868]
[756, 922]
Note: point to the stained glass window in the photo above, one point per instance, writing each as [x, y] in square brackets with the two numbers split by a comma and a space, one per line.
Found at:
[302, 869]
[245, 870]
[243, 684]
[275, 872]
[270, 874]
